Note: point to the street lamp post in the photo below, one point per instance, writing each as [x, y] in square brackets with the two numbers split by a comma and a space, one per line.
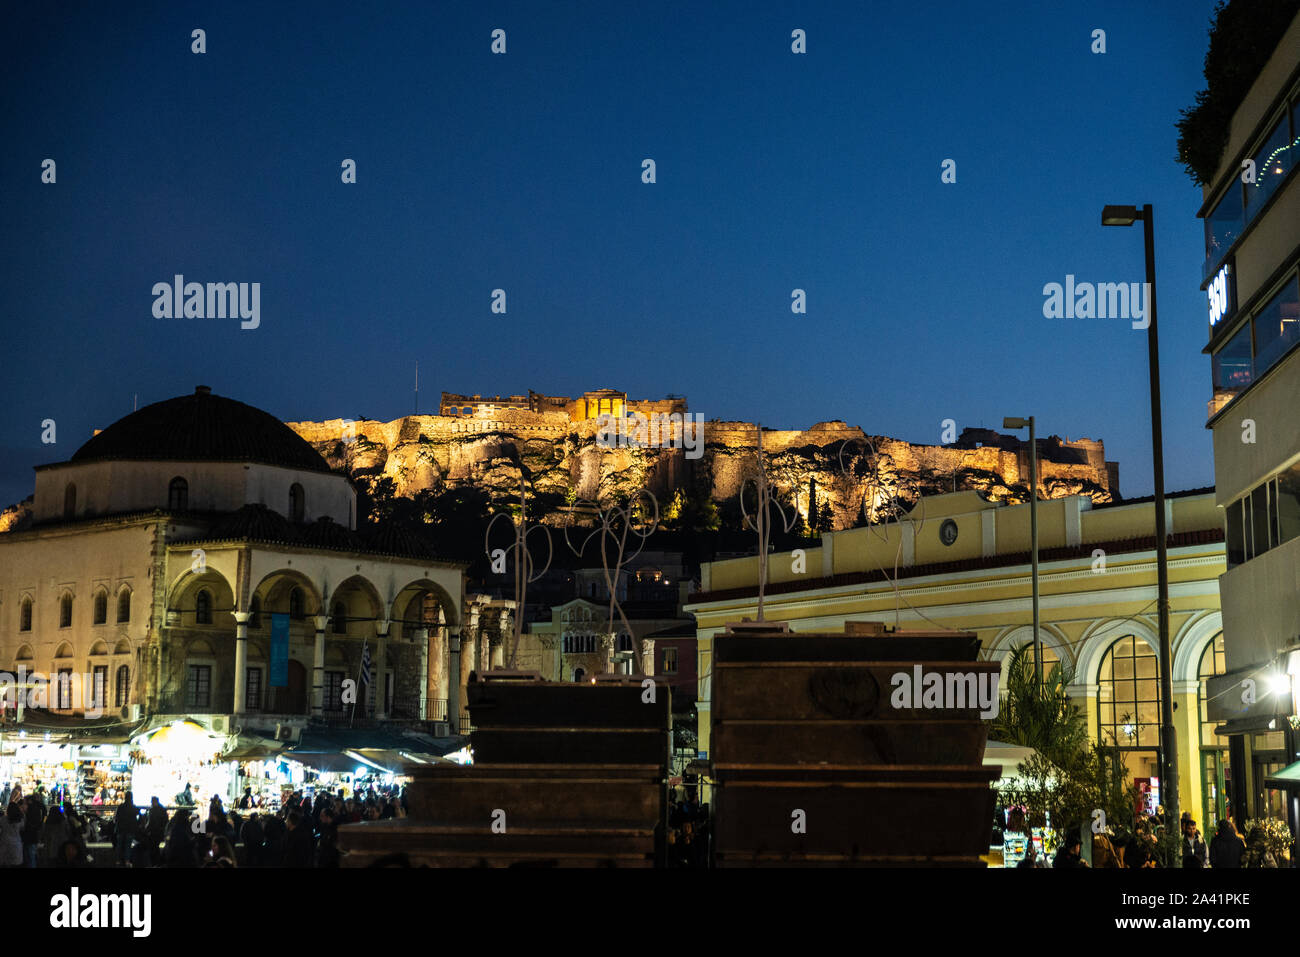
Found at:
[1015, 423]
[1127, 216]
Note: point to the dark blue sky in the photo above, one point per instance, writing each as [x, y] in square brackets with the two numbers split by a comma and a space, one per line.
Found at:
[523, 172]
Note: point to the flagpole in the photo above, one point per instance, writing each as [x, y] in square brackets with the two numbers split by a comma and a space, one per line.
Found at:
[360, 668]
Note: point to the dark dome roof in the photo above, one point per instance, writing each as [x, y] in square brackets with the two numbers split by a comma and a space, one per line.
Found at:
[205, 428]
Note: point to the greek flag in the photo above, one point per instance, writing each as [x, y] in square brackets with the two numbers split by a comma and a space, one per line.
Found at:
[365, 663]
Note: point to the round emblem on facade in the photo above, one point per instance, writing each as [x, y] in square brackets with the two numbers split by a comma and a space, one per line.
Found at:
[948, 531]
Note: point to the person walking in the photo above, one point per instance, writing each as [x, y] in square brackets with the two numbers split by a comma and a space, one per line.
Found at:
[298, 848]
[252, 837]
[33, 821]
[11, 836]
[1193, 847]
[155, 830]
[1227, 848]
[1071, 853]
[53, 835]
[179, 851]
[126, 830]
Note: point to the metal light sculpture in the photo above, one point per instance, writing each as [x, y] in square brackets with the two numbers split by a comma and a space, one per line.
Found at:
[761, 520]
[638, 519]
[523, 560]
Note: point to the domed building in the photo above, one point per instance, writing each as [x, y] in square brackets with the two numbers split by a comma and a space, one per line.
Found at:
[199, 559]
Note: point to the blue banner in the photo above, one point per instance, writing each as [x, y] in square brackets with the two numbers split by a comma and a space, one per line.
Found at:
[279, 650]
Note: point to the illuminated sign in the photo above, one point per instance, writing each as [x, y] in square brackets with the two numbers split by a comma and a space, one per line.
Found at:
[1220, 293]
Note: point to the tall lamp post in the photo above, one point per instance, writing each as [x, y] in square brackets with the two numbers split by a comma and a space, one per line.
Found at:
[1015, 423]
[1127, 216]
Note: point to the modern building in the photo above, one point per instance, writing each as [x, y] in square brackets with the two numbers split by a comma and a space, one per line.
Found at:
[960, 562]
[199, 560]
[1252, 283]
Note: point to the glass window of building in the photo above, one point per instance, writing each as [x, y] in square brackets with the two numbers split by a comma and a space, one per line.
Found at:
[25, 615]
[101, 607]
[1216, 770]
[198, 686]
[253, 690]
[64, 686]
[124, 606]
[1288, 504]
[1236, 535]
[1232, 365]
[1273, 161]
[65, 611]
[1128, 696]
[203, 607]
[670, 661]
[1223, 225]
[1212, 663]
[1050, 657]
[178, 495]
[1277, 326]
[1257, 510]
[333, 691]
[99, 687]
[296, 502]
[122, 686]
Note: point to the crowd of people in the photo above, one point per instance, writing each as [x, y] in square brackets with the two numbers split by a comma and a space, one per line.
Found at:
[688, 832]
[1138, 847]
[302, 832]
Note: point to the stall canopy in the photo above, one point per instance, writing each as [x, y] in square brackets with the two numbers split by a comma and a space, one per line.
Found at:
[387, 751]
[1288, 779]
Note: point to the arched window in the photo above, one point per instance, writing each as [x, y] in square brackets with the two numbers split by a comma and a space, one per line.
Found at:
[1212, 663]
[124, 606]
[1216, 769]
[1128, 696]
[624, 642]
[297, 503]
[122, 686]
[101, 607]
[255, 613]
[578, 674]
[340, 618]
[178, 495]
[25, 615]
[65, 611]
[70, 500]
[203, 607]
[295, 604]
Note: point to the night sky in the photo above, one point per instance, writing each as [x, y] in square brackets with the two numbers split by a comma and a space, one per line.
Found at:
[522, 171]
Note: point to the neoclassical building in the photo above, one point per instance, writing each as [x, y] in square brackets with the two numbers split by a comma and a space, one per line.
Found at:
[198, 557]
[958, 561]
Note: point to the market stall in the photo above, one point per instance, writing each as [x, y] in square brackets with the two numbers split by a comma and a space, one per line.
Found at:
[166, 759]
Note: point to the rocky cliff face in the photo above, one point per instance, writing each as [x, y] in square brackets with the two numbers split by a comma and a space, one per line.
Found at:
[563, 458]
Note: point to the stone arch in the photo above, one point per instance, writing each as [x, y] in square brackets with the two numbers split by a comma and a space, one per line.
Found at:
[99, 648]
[184, 597]
[1190, 642]
[123, 647]
[274, 589]
[1012, 638]
[361, 602]
[25, 653]
[1101, 635]
[334, 656]
[199, 648]
[409, 612]
[64, 650]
